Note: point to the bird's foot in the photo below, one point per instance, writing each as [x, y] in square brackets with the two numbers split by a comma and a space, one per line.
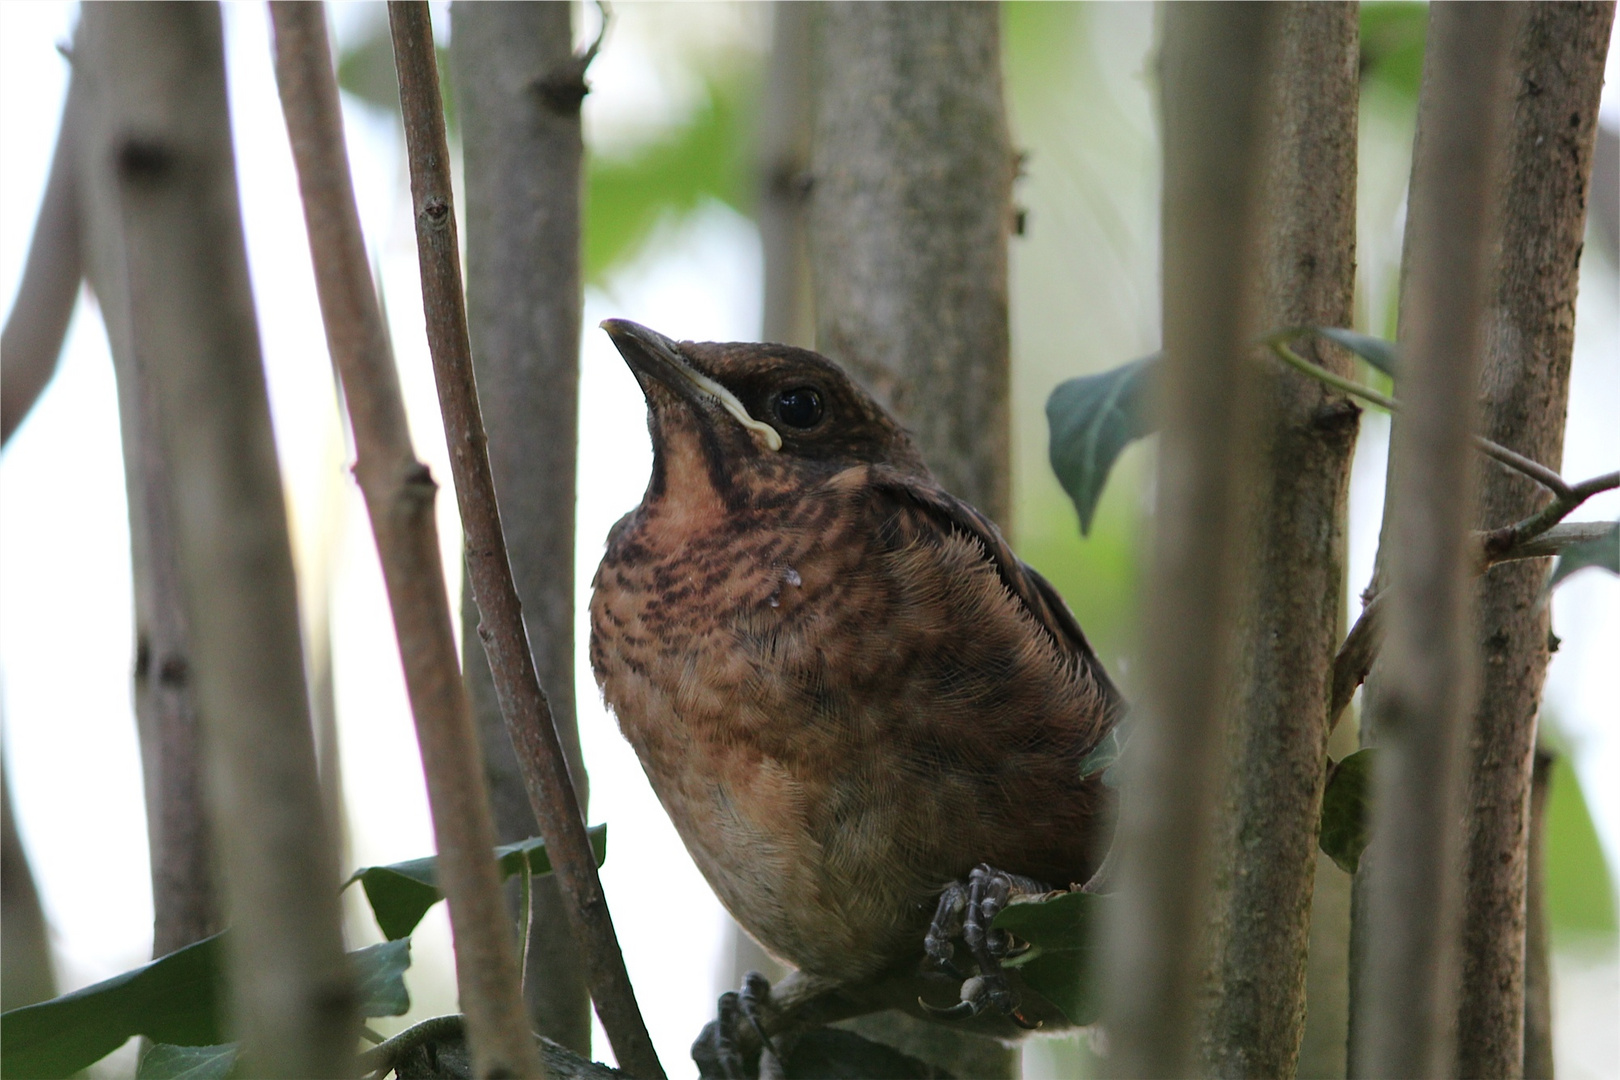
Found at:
[729, 1046]
[966, 910]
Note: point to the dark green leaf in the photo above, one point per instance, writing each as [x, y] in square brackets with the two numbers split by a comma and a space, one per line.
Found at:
[174, 1000]
[1346, 809]
[1063, 957]
[833, 1054]
[401, 893]
[166, 1062]
[379, 972]
[170, 1000]
[1602, 552]
[1376, 351]
[1092, 419]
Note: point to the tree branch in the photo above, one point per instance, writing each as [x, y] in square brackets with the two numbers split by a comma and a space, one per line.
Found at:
[32, 340]
[523, 702]
[399, 497]
[1542, 475]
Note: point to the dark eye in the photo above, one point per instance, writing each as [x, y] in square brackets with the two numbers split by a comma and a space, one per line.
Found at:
[799, 407]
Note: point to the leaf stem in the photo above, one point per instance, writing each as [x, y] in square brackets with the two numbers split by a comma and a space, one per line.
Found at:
[1515, 461]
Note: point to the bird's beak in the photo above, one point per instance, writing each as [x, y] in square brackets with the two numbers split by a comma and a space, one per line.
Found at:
[652, 354]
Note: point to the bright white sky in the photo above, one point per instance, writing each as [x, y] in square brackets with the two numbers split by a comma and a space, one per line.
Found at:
[65, 615]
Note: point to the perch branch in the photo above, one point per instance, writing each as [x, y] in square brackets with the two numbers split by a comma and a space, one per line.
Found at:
[523, 702]
[399, 496]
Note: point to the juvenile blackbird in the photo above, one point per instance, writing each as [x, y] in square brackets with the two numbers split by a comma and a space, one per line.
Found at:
[865, 716]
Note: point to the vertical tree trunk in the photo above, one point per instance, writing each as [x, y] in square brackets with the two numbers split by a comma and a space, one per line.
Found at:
[1290, 622]
[1215, 79]
[1405, 1004]
[520, 88]
[1529, 336]
[1538, 1042]
[910, 213]
[162, 149]
[26, 973]
[784, 170]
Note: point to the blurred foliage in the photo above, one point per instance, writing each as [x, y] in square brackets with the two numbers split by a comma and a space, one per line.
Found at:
[1392, 35]
[707, 157]
[1580, 891]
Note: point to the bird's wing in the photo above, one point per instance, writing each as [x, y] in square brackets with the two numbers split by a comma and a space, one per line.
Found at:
[1037, 595]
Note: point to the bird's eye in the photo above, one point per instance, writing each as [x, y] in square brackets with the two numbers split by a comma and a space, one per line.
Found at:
[799, 407]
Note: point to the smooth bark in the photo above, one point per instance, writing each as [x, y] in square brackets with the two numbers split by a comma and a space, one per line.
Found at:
[1291, 615]
[520, 86]
[1214, 70]
[399, 496]
[31, 342]
[1538, 1034]
[1418, 707]
[1557, 63]
[784, 176]
[523, 701]
[164, 138]
[909, 215]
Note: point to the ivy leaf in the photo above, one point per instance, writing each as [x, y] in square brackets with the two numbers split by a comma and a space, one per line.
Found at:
[1064, 954]
[1346, 809]
[379, 974]
[176, 1000]
[401, 893]
[1600, 551]
[168, 1062]
[1092, 419]
[1376, 351]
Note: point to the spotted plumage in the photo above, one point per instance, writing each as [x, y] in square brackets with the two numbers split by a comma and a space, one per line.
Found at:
[845, 689]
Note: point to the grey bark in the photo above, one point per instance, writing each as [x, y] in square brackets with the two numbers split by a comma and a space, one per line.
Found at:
[1538, 1036]
[26, 973]
[520, 87]
[909, 217]
[1557, 68]
[162, 151]
[1418, 705]
[1290, 621]
[784, 172]
[31, 343]
[1215, 78]
[185, 886]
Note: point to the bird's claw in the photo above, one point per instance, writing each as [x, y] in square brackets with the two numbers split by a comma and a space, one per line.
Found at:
[719, 1052]
[967, 910]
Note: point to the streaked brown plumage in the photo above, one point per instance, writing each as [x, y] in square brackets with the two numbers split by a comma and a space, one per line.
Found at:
[844, 687]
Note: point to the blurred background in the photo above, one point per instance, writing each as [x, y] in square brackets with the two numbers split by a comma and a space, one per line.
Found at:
[670, 241]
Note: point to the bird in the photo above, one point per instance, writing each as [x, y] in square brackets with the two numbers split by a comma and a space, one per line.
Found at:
[865, 716]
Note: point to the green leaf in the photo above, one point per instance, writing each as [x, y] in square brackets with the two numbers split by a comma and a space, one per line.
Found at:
[1601, 551]
[167, 1062]
[1091, 420]
[170, 1000]
[1392, 35]
[401, 893]
[1376, 351]
[1346, 808]
[1064, 954]
[379, 972]
[175, 1000]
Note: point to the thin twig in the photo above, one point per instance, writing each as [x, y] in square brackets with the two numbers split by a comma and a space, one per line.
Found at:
[1510, 537]
[1518, 462]
[1360, 648]
[517, 686]
[399, 496]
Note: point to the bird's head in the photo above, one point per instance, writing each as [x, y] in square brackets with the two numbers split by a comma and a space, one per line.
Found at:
[735, 421]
